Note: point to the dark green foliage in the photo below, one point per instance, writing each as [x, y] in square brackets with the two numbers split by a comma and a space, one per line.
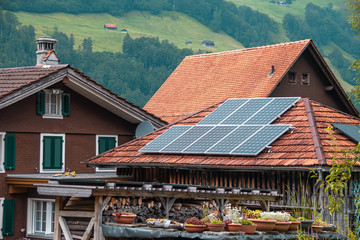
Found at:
[325, 25]
[135, 74]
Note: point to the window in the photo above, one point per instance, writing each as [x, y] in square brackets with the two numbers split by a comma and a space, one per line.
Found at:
[305, 79]
[292, 77]
[52, 153]
[7, 151]
[104, 143]
[53, 103]
[41, 217]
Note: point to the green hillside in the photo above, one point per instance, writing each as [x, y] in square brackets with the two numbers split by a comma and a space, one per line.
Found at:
[297, 8]
[176, 27]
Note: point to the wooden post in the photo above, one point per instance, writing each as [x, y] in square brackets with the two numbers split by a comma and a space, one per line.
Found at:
[98, 218]
[58, 207]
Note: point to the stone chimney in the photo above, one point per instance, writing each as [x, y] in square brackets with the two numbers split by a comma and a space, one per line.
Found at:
[45, 54]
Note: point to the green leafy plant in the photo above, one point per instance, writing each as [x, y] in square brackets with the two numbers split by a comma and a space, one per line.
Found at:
[216, 221]
[303, 236]
[246, 222]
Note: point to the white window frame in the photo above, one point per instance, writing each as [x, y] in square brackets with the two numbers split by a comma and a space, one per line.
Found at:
[2, 152]
[1, 215]
[58, 93]
[42, 135]
[30, 225]
[97, 151]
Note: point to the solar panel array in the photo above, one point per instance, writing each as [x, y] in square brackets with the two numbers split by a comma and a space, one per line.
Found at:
[237, 127]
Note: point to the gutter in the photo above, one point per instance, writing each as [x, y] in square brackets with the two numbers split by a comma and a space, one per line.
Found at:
[315, 133]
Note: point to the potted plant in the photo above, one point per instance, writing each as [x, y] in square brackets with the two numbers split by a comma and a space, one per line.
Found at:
[294, 224]
[318, 225]
[305, 224]
[262, 221]
[216, 225]
[124, 217]
[232, 216]
[194, 225]
[282, 221]
[247, 226]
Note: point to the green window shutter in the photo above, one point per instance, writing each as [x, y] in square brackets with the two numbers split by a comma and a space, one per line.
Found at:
[66, 104]
[106, 143]
[40, 103]
[52, 152]
[10, 147]
[8, 217]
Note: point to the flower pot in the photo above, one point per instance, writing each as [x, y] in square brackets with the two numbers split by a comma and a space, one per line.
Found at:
[215, 227]
[282, 227]
[248, 229]
[234, 227]
[194, 228]
[306, 224]
[294, 226]
[264, 225]
[316, 228]
[125, 219]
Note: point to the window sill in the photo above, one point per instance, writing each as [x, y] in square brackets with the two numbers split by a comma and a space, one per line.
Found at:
[53, 116]
[42, 236]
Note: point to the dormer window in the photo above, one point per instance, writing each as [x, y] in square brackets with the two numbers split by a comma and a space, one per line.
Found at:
[292, 77]
[305, 79]
[53, 103]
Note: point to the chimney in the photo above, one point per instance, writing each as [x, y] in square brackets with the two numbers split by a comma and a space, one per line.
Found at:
[45, 54]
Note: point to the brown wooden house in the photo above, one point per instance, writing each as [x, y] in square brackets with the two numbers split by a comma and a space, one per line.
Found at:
[52, 117]
[282, 165]
[280, 70]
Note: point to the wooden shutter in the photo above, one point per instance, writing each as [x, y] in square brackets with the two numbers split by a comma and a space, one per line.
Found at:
[10, 149]
[52, 152]
[66, 104]
[8, 217]
[40, 103]
[106, 143]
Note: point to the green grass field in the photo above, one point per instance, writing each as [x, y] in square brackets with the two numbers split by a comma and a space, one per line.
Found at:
[297, 8]
[176, 27]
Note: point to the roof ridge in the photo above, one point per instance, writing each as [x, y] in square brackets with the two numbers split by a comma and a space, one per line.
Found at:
[34, 67]
[247, 49]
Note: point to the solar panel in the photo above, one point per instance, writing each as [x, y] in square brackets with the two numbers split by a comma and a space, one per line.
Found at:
[223, 111]
[209, 139]
[164, 139]
[257, 142]
[272, 110]
[246, 111]
[238, 136]
[349, 130]
[186, 139]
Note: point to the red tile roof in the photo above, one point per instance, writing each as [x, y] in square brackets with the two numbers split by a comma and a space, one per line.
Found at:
[241, 73]
[295, 149]
[12, 79]
[110, 25]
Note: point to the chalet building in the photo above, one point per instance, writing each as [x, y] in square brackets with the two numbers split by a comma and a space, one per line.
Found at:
[208, 43]
[52, 117]
[203, 149]
[110, 27]
[280, 70]
[123, 30]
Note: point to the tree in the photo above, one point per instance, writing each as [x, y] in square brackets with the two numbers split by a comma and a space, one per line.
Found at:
[354, 19]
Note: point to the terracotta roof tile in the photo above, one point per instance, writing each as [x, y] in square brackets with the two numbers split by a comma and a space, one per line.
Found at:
[195, 83]
[290, 150]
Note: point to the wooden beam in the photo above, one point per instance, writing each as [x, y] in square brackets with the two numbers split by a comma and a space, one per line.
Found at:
[265, 205]
[98, 218]
[84, 214]
[57, 232]
[65, 228]
[13, 189]
[89, 229]
[106, 201]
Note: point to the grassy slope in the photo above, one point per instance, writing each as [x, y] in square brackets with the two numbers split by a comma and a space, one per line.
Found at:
[176, 27]
[297, 8]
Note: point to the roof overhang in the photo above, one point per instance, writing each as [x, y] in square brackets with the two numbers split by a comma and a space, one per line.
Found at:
[90, 90]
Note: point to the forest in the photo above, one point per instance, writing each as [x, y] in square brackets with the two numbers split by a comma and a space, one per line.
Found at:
[145, 63]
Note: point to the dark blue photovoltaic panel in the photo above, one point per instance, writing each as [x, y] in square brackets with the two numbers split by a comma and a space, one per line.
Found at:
[186, 139]
[261, 139]
[350, 130]
[239, 135]
[223, 111]
[246, 111]
[272, 110]
[164, 139]
[209, 139]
